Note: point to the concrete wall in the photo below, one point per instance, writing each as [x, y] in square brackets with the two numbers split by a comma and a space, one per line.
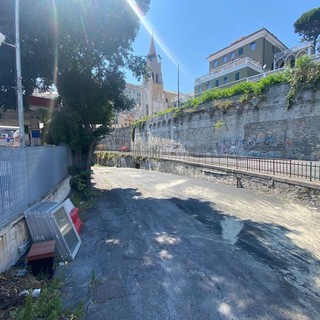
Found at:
[14, 241]
[15, 238]
[258, 127]
[117, 139]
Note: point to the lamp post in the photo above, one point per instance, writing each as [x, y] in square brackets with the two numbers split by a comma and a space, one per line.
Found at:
[18, 73]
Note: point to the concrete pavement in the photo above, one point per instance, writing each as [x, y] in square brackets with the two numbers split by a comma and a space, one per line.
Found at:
[159, 246]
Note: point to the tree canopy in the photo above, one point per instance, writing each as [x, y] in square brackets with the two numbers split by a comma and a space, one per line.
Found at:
[308, 26]
[82, 46]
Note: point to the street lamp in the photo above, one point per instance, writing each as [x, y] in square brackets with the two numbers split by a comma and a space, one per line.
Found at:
[18, 73]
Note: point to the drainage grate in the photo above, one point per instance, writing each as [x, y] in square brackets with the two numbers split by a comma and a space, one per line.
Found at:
[107, 290]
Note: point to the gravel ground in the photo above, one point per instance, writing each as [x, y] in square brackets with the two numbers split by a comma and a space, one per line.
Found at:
[159, 246]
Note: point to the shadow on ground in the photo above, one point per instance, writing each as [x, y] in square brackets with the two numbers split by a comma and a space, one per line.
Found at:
[147, 258]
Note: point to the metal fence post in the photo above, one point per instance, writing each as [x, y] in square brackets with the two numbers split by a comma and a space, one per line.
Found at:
[273, 168]
[290, 169]
[310, 171]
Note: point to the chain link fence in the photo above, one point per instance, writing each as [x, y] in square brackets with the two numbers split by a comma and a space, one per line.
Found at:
[27, 175]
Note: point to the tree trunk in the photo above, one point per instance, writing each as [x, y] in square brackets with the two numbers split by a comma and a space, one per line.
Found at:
[89, 161]
[79, 160]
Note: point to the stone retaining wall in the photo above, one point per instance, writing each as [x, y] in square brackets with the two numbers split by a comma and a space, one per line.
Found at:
[259, 127]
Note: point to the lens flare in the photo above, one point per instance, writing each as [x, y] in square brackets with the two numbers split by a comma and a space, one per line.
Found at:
[150, 29]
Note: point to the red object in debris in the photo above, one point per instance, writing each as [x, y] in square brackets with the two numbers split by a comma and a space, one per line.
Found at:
[124, 148]
[74, 214]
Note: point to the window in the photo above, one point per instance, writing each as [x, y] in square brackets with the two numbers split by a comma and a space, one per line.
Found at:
[253, 46]
[217, 83]
[232, 55]
[225, 80]
[207, 85]
[225, 59]
[237, 76]
[215, 63]
[240, 51]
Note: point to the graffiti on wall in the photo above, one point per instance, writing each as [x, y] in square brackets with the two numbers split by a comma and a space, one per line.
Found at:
[231, 147]
[259, 138]
[265, 137]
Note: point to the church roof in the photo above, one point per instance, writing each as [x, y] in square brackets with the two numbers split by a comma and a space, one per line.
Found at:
[152, 50]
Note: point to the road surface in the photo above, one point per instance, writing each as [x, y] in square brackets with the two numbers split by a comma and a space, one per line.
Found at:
[159, 246]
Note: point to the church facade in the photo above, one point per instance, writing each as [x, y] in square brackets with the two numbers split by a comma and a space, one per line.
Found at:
[153, 96]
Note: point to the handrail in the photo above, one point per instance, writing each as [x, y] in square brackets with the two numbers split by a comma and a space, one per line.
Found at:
[228, 66]
[293, 49]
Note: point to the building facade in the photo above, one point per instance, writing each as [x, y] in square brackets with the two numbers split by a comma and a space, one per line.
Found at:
[153, 96]
[243, 58]
[289, 56]
[124, 119]
[133, 92]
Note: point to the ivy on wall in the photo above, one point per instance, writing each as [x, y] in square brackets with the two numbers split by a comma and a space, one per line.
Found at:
[305, 75]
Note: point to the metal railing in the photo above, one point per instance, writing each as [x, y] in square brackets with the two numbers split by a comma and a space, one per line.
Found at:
[27, 175]
[305, 170]
[294, 49]
[229, 66]
[254, 78]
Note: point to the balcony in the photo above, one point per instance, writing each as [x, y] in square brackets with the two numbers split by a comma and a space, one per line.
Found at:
[303, 46]
[230, 67]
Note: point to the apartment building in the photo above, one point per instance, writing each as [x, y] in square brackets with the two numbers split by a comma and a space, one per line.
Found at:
[133, 92]
[245, 57]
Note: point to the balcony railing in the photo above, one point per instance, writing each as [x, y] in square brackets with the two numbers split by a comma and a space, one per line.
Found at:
[228, 67]
[254, 78]
[292, 50]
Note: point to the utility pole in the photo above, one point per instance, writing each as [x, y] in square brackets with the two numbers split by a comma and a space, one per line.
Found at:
[178, 88]
[19, 77]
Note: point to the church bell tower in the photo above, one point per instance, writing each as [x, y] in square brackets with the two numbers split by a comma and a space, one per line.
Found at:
[152, 89]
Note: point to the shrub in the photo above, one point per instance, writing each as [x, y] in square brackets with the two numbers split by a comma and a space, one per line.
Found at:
[78, 182]
[306, 75]
[47, 306]
[258, 88]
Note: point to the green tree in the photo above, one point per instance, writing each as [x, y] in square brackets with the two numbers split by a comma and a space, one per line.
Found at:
[82, 46]
[308, 26]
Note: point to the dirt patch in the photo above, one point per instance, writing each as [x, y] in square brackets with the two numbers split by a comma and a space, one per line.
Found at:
[12, 284]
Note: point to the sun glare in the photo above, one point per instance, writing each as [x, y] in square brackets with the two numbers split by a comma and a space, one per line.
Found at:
[150, 29]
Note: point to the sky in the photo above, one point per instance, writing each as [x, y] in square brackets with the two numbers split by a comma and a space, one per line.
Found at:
[188, 31]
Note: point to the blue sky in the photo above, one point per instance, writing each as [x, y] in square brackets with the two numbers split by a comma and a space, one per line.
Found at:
[190, 30]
